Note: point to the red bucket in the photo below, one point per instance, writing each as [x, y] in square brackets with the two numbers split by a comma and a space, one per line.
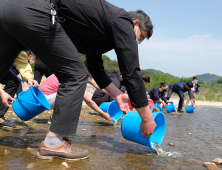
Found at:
[150, 102]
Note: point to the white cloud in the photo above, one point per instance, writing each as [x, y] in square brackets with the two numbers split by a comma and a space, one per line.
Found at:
[194, 55]
[187, 57]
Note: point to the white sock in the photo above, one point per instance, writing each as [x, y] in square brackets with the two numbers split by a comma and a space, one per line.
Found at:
[53, 141]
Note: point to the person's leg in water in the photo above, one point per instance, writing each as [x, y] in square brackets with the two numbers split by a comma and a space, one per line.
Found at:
[11, 82]
[57, 51]
[180, 105]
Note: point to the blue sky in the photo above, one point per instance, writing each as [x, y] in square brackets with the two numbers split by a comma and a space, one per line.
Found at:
[187, 38]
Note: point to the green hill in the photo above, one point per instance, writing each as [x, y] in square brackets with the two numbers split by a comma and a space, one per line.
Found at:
[157, 71]
[207, 78]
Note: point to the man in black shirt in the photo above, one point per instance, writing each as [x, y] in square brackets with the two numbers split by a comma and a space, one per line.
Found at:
[91, 27]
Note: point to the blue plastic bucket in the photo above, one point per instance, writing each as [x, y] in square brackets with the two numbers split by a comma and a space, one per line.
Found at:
[131, 128]
[170, 108]
[30, 103]
[190, 109]
[112, 109]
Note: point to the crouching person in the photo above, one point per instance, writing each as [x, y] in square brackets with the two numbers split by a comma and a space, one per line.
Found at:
[50, 87]
[157, 94]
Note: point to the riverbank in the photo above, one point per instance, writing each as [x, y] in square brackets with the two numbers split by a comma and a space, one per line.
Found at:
[90, 90]
[199, 103]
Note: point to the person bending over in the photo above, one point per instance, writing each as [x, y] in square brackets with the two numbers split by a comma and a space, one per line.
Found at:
[12, 83]
[31, 60]
[157, 94]
[50, 87]
[91, 27]
[180, 88]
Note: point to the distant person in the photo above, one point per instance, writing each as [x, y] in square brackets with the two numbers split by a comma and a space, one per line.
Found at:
[40, 70]
[100, 97]
[194, 91]
[180, 88]
[157, 94]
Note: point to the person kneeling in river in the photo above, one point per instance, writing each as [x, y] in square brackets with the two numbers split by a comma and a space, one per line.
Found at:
[50, 87]
[157, 94]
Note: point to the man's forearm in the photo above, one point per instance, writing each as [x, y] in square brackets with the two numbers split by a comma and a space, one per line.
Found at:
[145, 113]
[113, 90]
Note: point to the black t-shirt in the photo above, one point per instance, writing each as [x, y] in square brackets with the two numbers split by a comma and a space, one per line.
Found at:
[96, 27]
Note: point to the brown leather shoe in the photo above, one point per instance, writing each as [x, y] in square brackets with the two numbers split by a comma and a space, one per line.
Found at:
[64, 151]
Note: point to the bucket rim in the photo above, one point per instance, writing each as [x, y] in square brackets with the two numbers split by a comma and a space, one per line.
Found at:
[114, 101]
[164, 123]
[38, 99]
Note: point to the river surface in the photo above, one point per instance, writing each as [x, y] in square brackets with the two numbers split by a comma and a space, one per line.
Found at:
[198, 137]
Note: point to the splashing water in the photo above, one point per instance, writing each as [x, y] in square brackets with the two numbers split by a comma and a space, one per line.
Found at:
[163, 153]
[114, 121]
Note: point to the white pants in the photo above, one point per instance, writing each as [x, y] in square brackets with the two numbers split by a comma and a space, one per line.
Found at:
[51, 99]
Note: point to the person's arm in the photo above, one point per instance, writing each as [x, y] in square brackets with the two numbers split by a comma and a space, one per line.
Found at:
[95, 66]
[24, 68]
[191, 97]
[6, 98]
[94, 84]
[94, 106]
[127, 53]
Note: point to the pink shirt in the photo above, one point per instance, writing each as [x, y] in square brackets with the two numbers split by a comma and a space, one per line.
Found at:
[50, 85]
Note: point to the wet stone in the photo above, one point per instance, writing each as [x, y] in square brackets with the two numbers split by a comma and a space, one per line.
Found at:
[30, 166]
[217, 161]
[30, 149]
[64, 166]
[211, 165]
[6, 152]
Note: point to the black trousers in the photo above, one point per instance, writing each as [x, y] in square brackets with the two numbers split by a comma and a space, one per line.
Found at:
[180, 105]
[100, 100]
[55, 49]
[40, 69]
[11, 82]
[15, 72]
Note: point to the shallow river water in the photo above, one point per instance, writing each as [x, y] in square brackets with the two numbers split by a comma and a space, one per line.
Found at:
[198, 137]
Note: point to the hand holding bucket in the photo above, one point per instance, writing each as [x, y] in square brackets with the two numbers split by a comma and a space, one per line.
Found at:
[131, 128]
[170, 108]
[112, 109]
[190, 109]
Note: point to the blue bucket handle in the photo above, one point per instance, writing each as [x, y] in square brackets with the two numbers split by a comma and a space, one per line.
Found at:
[154, 106]
[26, 101]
